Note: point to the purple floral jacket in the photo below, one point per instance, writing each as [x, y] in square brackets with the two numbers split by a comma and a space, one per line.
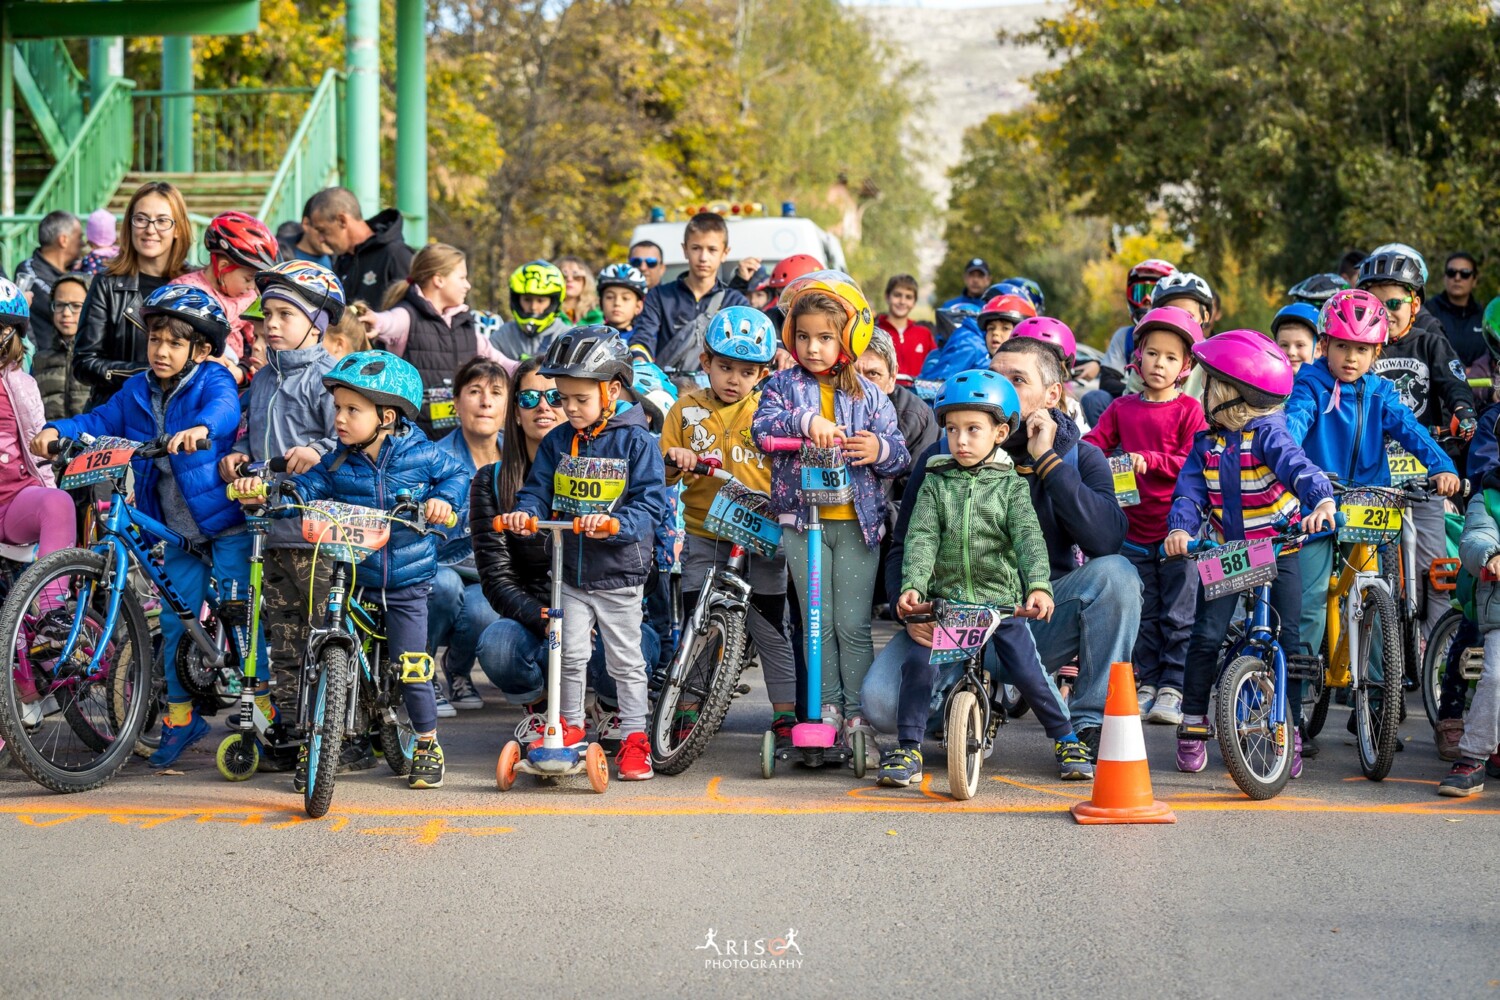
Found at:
[788, 402]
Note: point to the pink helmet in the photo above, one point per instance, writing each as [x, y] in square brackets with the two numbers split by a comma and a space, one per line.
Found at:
[1251, 363]
[1172, 320]
[1354, 315]
[1049, 331]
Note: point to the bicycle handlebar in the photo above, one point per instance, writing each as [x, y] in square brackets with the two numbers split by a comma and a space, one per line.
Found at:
[772, 443]
[534, 524]
[1198, 545]
[705, 467]
[938, 608]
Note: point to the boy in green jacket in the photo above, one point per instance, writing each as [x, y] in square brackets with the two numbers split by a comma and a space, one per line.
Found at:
[974, 539]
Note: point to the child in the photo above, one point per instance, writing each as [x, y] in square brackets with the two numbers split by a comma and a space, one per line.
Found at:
[1187, 292]
[622, 296]
[1295, 330]
[238, 246]
[198, 405]
[257, 320]
[348, 335]
[1479, 547]
[823, 399]
[913, 340]
[376, 395]
[103, 236]
[1155, 429]
[715, 423]
[1059, 336]
[536, 294]
[1248, 381]
[604, 574]
[999, 317]
[62, 394]
[974, 538]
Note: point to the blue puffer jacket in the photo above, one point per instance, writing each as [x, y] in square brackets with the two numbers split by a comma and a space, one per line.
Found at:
[207, 397]
[458, 550]
[1348, 440]
[407, 461]
[964, 349]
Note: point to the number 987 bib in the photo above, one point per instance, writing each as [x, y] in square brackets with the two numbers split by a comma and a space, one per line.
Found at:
[583, 485]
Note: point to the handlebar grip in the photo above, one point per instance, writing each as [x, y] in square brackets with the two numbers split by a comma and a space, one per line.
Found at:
[1020, 611]
[611, 527]
[257, 493]
[277, 464]
[55, 446]
[449, 521]
[499, 523]
[772, 443]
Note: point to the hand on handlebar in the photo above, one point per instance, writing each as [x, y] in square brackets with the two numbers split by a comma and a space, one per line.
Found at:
[683, 458]
[862, 448]
[596, 525]
[248, 490]
[41, 441]
[1446, 484]
[910, 603]
[189, 441]
[301, 459]
[229, 466]
[519, 522]
[825, 433]
[439, 512]
[1321, 518]
[1040, 602]
[1176, 545]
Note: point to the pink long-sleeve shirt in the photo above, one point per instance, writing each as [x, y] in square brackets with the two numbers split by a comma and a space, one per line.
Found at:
[1162, 434]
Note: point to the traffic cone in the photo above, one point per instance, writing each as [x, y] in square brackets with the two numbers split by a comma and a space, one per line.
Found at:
[1122, 778]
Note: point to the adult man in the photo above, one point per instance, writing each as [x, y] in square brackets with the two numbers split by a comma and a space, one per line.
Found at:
[976, 280]
[1456, 309]
[59, 239]
[671, 326]
[647, 258]
[368, 253]
[1098, 604]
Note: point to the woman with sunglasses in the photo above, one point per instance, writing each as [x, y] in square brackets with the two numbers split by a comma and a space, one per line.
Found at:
[580, 305]
[111, 343]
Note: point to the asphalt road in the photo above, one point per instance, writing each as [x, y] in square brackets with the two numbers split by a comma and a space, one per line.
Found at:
[812, 884]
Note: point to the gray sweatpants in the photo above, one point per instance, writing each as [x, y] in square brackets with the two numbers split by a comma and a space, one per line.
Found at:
[1432, 543]
[617, 616]
[1482, 723]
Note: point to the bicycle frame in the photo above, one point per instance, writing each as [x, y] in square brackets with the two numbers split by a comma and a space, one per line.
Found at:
[1360, 569]
[341, 624]
[1261, 638]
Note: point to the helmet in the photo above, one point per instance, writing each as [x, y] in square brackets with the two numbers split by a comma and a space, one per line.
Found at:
[859, 325]
[792, 267]
[1049, 331]
[312, 284]
[1395, 263]
[741, 334]
[193, 306]
[1140, 283]
[1354, 315]
[1172, 320]
[1491, 327]
[622, 276]
[980, 389]
[655, 392]
[1301, 312]
[1249, 362]
[1029, 290]
[536, 278]
[1316, 289]
[242, 238]
[380, 377]
[14, 309]
[592, 352]
[1183, 285]
[1012, 308]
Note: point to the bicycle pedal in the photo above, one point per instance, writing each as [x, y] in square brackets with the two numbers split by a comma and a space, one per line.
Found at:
[234, 613]
[1197, 731]
[1304, 668]
[1471, 664]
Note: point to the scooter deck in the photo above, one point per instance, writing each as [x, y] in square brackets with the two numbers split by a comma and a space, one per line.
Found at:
[552, 763]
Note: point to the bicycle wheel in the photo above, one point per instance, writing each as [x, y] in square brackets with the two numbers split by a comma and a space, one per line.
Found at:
[709, 670]
[325, 737]
[1257, 753]
[965, 750]
[1377, 709]
[1435, 661]
[397, 740]
[101, 710]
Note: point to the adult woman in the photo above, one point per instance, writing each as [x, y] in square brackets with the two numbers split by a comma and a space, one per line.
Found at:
[580, 299]
[112, 340]
[515, 572]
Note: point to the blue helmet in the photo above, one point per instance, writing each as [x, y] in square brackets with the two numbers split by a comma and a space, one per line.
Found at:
[14, 311]
[193, 306]
[622, 276]
[741, 334]
[980, 389]
[1302, 312]
[1029, 290]
[380, 377]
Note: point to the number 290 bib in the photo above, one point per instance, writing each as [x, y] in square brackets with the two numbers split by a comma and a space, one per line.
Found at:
[583, 485]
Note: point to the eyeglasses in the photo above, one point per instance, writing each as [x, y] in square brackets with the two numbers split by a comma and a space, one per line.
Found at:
[162, 223]
[67, 307]
[1460, 272]
[643, 262]
[1138, 293]
[574, 277]
[530, 399]
[1394, 304]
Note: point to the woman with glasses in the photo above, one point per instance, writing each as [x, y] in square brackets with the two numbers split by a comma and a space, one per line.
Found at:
[111, 344]
[62, 394]
[580, 298]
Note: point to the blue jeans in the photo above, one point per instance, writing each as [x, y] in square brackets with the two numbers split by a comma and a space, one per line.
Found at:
[1094, 403]
[511, 656]
[1168, 600]
[457, 615]
[230, 555]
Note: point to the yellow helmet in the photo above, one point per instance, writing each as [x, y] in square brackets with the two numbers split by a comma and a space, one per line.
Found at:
[859, 325]
[541, 279]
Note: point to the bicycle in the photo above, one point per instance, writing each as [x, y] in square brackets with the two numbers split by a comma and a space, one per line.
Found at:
[1441, 655]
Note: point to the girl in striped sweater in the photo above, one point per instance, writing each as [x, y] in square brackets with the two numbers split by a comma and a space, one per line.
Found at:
[1250, 479]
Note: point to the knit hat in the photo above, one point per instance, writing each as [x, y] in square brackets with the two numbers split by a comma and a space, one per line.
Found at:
[101, 228]
[316, 316]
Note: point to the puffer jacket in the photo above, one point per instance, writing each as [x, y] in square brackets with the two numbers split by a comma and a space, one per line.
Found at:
[514, 571]
[111, 341]
[458, 550]
[62, 394]
[789, 401]
[408, 462]
[26, 404]
[206, 397]
[286, 407]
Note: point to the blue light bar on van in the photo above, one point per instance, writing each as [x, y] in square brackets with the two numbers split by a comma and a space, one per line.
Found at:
[788, 209]
[658, 214]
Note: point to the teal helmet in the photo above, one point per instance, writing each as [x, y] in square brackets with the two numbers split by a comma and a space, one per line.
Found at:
[741, 334]
[380, 377]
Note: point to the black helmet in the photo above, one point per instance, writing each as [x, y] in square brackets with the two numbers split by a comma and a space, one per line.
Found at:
[1394, 263]
[1317, 289]
[593, 352]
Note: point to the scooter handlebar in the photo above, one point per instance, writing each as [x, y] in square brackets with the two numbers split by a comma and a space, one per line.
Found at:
[772, 443]
[534, 524]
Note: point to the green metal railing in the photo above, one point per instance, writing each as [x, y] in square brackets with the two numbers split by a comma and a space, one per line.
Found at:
[313, 158]
[61, 84]
[236, 130]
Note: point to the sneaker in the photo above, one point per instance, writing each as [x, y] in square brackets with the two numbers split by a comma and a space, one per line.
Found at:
[445, 709]
[634, 761]
[1145, 696]
[682, 725]
[461, 694]
[900, 767]
[782, 725]
[1310, 748]
[1446, 736]
[299, 777]
[278, 750]
[426, 764]
[572, 735]
[1089, 737]
[1466, 778]
[1073, 761]
[606, 726]
[31, 714]
[833, 716]
[856, 724]
[175, 739]
[356, 755]
[532, 727]
[1168, 707]
[1192, 755]
[1492, 766]
[1296, 754]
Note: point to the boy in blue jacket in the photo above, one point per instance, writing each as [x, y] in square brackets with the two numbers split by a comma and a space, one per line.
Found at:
[604, 451]
[381, 454]
[197, 403]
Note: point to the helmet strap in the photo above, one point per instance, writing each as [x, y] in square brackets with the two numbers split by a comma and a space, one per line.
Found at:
[382, 428]
[1226, 405]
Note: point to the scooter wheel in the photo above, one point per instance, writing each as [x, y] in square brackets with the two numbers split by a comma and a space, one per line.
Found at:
[857, 745]
[505, 768]
[238, 757]
[768, 754]
[596, 762]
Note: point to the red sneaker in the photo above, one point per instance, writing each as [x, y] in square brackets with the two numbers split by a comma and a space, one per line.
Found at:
[634, 760]
[571, 735]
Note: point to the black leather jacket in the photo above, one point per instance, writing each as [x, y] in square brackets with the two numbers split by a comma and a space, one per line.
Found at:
[111, 340]
[515, 572]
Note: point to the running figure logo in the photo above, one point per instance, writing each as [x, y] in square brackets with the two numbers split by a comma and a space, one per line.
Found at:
[709, 942]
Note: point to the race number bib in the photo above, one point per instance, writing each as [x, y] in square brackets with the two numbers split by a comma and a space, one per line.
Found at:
[1236, 566]
[825, 477]
[583, 485]
[106, 458]
[961, 633]
[731, 516]
[1127, 494]
[1403, 464]
[442, 412]
[1371, 525]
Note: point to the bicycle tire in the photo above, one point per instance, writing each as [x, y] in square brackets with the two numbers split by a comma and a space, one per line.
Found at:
[325, 734]
[129, 673]
[1375, 734]
[1435, 661]
[964, 761]
[719, 648]
[1260, 775]
[403, 739]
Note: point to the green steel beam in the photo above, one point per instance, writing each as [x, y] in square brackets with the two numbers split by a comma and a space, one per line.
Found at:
[41, 112]
[133, 18]
[362, 97]
[411, 118]
[7, 119]
[177, 112]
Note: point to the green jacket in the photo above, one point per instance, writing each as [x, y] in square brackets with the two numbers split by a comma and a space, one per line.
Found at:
[974, 535]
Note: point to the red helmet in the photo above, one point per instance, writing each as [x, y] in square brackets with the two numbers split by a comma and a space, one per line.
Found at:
[243, 239]
[792, 267]
[1140, 283]
[1011, 308]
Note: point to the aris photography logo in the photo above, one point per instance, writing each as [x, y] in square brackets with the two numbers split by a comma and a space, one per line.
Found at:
[751, 953]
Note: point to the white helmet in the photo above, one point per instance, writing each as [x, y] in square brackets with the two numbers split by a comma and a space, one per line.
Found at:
[1183, 284]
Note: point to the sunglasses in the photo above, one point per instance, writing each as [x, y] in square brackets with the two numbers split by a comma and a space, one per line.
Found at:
[1460, 272]
[530, 399]
[1138, 293]
[643, 262]
[1394, 304]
